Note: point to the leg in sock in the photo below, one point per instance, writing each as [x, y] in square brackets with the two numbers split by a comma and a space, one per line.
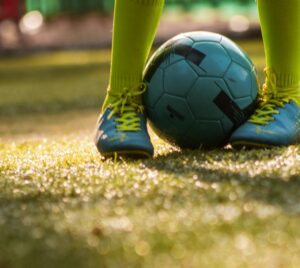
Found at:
[135, 25]
[280, 22]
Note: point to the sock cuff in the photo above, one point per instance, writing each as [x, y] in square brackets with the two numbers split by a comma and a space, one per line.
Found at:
[148, 2]
[283, 79]
[120, 81]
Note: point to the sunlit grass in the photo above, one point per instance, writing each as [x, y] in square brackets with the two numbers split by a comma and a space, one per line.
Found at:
[62, 205]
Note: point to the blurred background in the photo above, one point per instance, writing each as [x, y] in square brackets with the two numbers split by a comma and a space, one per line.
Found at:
[55, 54]
[53, 24]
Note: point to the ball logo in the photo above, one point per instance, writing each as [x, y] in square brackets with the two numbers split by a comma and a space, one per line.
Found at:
[174, 114]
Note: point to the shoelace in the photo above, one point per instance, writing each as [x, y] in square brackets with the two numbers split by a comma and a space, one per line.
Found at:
[273, 97]
[127, 108]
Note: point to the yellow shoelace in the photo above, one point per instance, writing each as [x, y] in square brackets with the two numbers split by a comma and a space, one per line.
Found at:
[127, 106]
[273, 97]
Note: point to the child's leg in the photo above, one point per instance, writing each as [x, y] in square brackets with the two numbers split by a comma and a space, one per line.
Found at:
[280, 23]
[122, 127]
[135, 24]
[277, 120]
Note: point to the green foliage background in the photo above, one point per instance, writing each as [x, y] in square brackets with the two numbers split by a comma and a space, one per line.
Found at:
[50, 8]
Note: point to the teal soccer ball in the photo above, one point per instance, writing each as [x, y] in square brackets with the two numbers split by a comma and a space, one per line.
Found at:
[201, 87]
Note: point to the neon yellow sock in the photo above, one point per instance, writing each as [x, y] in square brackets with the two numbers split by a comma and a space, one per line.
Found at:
[135, 25]
[280, 22]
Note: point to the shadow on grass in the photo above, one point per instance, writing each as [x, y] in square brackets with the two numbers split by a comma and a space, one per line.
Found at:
[252, 170]
[32, 235]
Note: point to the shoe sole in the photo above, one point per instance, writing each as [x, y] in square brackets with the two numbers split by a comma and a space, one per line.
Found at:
[250, 145]
[127, 154]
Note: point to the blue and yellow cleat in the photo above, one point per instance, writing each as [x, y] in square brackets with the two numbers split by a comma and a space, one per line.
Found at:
[276, 122]
[122, 128]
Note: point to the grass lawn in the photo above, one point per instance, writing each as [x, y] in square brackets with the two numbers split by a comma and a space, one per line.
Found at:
[63, 206]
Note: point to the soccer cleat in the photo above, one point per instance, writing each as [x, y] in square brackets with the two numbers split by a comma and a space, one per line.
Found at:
[122, 128]
[276, 122]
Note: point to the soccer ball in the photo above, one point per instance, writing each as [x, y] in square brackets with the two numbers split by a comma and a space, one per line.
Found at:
[201, 87]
